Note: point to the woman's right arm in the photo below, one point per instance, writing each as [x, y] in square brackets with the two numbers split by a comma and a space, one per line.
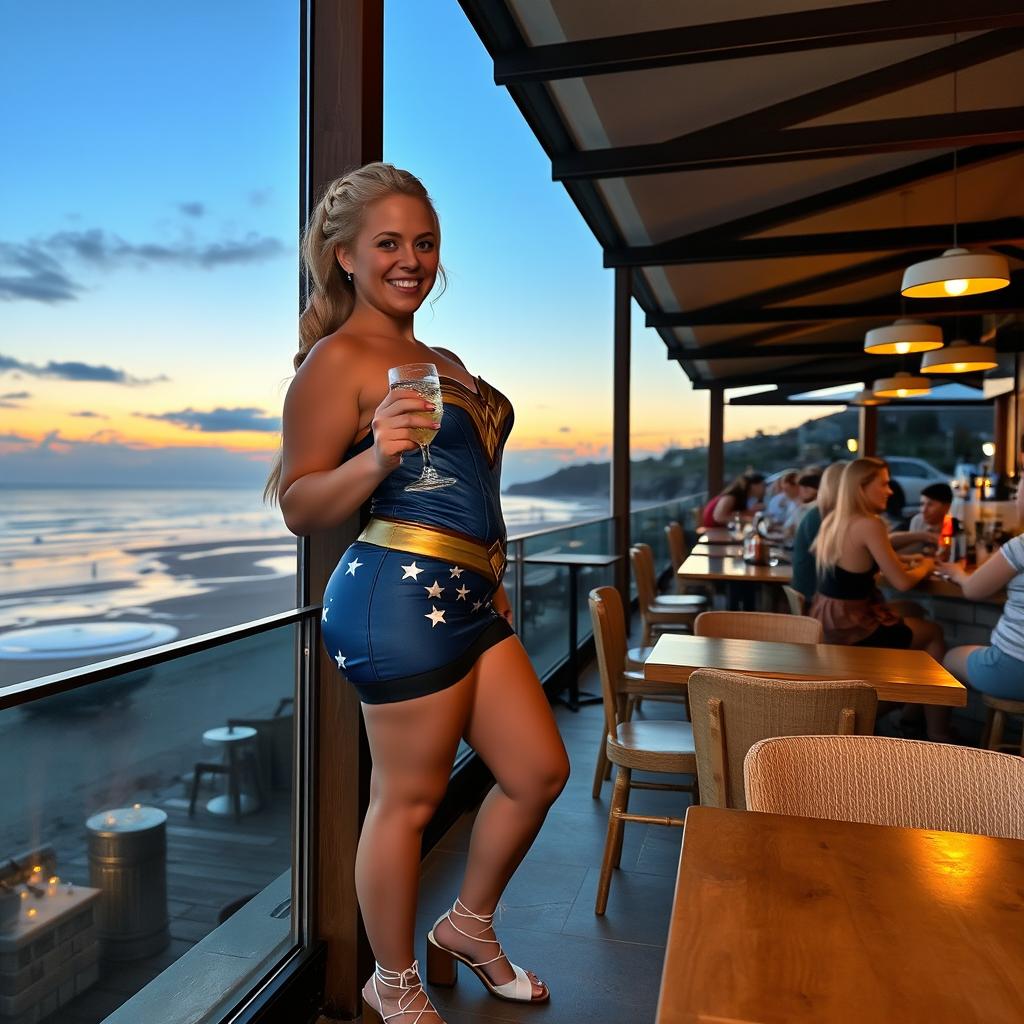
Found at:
[877, 541]
[722, 512]
[321, 420]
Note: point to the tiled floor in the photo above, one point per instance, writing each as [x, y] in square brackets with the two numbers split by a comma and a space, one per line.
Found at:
[599, 969]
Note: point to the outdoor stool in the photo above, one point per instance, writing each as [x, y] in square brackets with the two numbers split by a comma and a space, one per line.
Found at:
[238, 765]
[998, 709]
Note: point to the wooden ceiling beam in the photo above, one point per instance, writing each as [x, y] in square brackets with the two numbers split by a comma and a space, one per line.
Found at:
[823, 142]
[828, 27]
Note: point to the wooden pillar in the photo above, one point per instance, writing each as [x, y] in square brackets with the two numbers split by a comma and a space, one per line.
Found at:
[620, 482]
[716, 441]
[344, 92]
[867, 432]
[1002, 436]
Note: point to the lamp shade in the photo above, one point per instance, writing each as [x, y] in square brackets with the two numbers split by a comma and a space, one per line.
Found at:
[959, 357]
[868, 397]
[956, 272]
[902, 385]
[901, 337]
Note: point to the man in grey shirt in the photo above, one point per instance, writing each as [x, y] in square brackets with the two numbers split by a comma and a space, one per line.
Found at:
[926, 524]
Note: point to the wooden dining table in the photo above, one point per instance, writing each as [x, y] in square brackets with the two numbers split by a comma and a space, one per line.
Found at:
[715, 568]
[907, 676]
[785, 920]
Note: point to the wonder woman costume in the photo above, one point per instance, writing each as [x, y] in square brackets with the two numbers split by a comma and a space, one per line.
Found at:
[408, 609]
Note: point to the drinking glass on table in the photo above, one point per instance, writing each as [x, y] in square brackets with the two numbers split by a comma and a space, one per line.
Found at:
[422, 379]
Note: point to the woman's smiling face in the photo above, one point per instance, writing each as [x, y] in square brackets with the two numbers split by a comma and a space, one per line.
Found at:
[395, 257]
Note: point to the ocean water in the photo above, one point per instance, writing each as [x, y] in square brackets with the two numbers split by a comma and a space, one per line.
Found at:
[95, 552]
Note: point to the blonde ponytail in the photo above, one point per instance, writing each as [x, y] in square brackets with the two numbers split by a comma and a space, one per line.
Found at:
[335, 221]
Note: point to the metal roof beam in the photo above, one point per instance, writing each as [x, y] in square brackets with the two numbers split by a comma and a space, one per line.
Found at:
[753, 37]
[854, 139]
[690, 249]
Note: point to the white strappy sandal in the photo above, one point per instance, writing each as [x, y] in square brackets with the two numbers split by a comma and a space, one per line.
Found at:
[406, 982]
[443, 963]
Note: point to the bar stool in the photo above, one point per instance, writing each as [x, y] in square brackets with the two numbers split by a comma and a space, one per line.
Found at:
[998, 709]
[239, 762]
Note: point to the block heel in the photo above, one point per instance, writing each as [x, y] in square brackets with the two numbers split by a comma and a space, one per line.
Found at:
[442, 967]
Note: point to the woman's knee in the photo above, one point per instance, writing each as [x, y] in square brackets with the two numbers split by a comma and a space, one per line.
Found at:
[541, 782]
[413, 809]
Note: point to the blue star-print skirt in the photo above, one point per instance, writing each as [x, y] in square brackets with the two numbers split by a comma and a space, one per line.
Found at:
[400, 625]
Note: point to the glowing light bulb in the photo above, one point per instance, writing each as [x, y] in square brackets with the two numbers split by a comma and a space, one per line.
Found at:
[851, 444]
[37, 870]
[31, 912]
[902, 347]
[988, 449]
[955, 287]
[24, 894]
[901, 393]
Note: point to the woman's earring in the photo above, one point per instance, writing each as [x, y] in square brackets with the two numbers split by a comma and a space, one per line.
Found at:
[348, 277]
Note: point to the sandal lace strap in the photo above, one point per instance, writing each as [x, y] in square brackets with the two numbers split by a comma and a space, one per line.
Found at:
[483, 919]
[408, 983]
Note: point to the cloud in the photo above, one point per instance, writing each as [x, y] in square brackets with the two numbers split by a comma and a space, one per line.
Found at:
[13, 399]
[219, 420]
[565, 430]
[85, 414]
[77, 372]
[14, 439]
[192, 209]
[103, 249]
[27, 272]
[34, 270]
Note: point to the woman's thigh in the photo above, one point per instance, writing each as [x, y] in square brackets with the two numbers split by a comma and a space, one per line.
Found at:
[511, 725]
[955, 661]
[924, 632]
[413, 743]
[992, 671]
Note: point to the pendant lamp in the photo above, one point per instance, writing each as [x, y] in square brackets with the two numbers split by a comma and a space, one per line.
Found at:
[956, 272]
[960, 357]
[902, 385]
[868, 397]
[901, 337]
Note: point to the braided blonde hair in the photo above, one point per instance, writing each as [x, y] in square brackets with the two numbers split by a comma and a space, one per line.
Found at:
[336, 221]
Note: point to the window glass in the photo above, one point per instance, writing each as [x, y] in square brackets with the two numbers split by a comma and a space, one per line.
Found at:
[148, 275]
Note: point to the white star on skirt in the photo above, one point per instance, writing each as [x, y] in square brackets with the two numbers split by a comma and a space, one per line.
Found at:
[477, 605]
[463, 591]
[352, 566]
[435, 617]
[455, 572]
[435, 590]
[340, 659]
[411, 571]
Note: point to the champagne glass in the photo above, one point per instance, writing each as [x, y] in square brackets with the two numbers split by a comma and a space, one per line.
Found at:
[423, 380]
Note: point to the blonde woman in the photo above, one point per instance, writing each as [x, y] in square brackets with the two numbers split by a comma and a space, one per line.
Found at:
[805, 571]
[852, 546]
[415, 614]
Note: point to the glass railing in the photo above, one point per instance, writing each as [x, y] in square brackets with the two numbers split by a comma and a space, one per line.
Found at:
[539, 590]
[152, 821]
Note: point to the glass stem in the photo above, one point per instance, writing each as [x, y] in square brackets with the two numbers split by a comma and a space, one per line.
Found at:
[425, 449]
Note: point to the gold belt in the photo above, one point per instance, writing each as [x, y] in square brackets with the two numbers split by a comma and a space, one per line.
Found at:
[433, 542]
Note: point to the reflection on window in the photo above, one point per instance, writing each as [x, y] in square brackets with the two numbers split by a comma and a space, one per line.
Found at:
[151, 828]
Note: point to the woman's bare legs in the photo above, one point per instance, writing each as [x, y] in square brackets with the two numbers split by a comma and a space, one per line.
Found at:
[956, 661]
[511, 727]
[928, 637]
[413, 746]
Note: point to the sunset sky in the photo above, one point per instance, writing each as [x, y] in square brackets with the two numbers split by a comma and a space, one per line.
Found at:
[148, 247]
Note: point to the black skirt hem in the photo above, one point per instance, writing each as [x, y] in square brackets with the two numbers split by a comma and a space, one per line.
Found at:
[391, 691]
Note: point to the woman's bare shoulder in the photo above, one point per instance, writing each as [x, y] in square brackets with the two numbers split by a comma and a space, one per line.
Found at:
[448, 354]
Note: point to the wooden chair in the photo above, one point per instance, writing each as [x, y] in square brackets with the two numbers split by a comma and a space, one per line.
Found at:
[656, 746]
[677, 551]
[883, 781]
[998, 709]
[790, 629]
[658, 612]
[732, 711]
[796, 601]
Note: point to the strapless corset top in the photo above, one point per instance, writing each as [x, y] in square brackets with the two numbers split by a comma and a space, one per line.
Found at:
[474, 428]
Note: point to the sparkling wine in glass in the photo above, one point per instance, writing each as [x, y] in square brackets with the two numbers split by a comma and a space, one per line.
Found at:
[423, 380]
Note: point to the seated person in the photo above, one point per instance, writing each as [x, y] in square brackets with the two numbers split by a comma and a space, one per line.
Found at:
[785, 498]
[926, 525]
[807, 488]
[746, 490]
[996, 669]
[805, 570]
[851, 547]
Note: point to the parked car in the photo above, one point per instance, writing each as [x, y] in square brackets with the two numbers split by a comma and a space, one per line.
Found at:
[908, 477]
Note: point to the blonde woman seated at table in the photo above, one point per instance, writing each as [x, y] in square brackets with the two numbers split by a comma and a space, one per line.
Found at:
[996, 669]
[851, 547]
